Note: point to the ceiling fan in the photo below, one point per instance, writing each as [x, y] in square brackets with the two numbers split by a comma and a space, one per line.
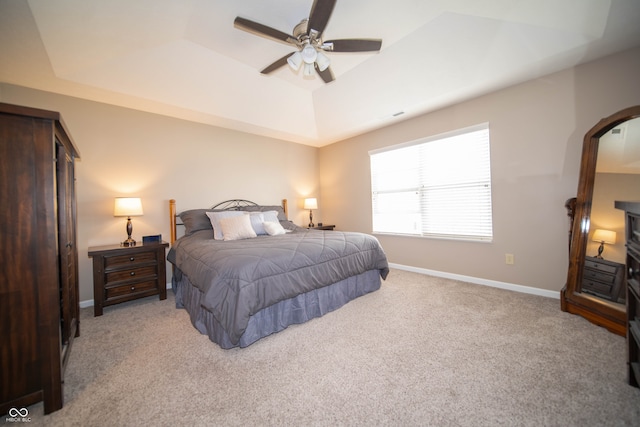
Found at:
[307, 38]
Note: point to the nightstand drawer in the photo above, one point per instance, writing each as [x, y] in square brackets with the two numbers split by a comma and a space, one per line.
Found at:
[131, 288]
[131, 273]
[122, 260]
[596, 265]
[599, 276]
[597, 287]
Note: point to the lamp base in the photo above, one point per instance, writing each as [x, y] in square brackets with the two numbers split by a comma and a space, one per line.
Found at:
[311, 224]
[128, 242]
[600, 249]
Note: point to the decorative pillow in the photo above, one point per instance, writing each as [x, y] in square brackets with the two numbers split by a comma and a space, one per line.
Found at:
[270, 216]
[195, 220]
[215, 218]
[289, 226]
[257, 218]
[279, 210]
[273, 228]
[237, 227]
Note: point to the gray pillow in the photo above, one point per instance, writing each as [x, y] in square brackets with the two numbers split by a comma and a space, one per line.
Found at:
[195, 220]
[279, 209]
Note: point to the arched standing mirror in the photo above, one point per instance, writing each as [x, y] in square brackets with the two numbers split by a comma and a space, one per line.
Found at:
[611, 164]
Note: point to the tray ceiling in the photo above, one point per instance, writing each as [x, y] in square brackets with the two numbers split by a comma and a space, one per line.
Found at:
[185, 59]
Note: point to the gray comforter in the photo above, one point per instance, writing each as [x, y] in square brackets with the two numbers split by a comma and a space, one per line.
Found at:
[239, 278]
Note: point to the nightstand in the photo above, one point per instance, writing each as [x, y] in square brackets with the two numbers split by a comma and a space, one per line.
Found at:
[126, 273]
[322, 227]
[604, 279]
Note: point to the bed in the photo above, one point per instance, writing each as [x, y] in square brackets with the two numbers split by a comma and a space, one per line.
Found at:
[244, 271]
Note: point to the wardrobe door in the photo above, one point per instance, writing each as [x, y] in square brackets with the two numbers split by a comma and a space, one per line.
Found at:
[67, 249]
[28, 277]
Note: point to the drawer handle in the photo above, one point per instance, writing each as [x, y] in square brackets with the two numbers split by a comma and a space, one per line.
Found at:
[132, 259]
[133, 288]
[133, 273]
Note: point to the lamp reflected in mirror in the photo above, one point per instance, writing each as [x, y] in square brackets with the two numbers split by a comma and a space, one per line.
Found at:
[603, 236]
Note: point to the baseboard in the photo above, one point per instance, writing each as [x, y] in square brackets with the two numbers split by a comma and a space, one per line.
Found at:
[479, 281]
[90, 302]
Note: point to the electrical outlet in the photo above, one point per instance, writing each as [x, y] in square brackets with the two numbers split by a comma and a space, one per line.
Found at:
[509, 259]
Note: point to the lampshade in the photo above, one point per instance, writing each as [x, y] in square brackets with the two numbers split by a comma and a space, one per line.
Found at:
[295, 60]
[605, 236]
[127, 206]
[311, 203]
[322, 60]
[308, 69]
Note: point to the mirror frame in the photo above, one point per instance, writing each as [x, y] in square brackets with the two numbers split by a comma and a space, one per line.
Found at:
[601, 312]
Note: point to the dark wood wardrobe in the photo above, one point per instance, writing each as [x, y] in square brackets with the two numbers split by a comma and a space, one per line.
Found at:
[39, 311]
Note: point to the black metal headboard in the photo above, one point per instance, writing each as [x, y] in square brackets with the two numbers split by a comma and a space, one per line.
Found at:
[233, 204]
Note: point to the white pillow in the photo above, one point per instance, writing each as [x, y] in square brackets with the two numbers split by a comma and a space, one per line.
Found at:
[237, 228]
[215, 218]
[257, 218]
[271, 216]
[273, 228]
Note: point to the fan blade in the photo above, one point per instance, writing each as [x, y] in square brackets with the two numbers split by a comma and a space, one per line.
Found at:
[279, 63]
[326, 75]
[320, 14]
[263, 30]
[353, 45]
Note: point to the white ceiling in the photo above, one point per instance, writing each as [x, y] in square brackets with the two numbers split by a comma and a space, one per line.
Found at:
[185, 59]
[619, 149]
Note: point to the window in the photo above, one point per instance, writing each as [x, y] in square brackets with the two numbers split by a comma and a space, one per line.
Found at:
[434, 187]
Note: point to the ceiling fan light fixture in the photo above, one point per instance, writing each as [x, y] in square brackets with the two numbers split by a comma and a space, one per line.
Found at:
[309, 54]
[322, 60]
[308, 69]
[295, 61]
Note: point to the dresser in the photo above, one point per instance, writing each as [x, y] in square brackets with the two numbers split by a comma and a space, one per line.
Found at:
[604, 278]
[125, 273]
[39, 310]
[632, 236]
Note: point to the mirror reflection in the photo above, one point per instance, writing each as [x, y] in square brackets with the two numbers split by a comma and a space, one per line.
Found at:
[617, 178]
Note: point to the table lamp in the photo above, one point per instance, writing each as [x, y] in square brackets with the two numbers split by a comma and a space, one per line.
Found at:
[128, 206]
[311, 203]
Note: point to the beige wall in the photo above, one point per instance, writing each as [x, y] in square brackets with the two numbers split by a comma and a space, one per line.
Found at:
[536, 141]
[127, 152]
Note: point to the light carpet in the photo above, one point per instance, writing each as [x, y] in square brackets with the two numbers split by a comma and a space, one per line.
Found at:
[421, 351]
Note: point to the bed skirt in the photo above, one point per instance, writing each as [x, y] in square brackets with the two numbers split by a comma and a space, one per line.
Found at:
[277, 317]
